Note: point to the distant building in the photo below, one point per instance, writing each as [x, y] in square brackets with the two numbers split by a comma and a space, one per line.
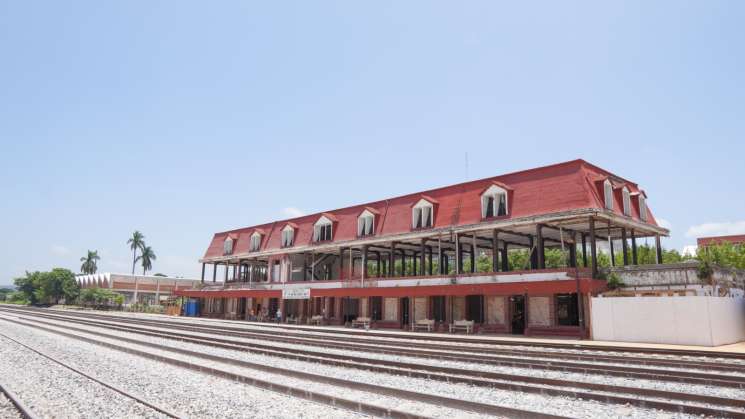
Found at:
[708, 241]
[136, 288]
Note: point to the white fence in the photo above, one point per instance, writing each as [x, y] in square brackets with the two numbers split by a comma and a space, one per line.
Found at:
[689, 320]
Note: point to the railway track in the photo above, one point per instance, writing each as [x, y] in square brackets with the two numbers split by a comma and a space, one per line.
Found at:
[20, 409]
[525, 359]
[110, 386]
[649, 398]
[353, 405]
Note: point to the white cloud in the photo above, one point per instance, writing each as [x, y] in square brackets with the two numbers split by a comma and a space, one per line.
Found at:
[292, 212]
[664, 223]
[716, 229]
[59, 250]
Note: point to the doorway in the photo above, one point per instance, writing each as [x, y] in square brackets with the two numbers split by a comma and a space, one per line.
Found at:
[404, 311]
[517, 308]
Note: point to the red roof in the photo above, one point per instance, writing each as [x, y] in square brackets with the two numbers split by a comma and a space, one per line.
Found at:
[550, 189]
[735, 239]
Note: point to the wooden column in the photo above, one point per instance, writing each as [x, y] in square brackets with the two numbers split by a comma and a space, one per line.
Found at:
[214, 272]
[458, 256]
[593, 249]
[429, 262]
[505, 258]
[634, 259]
[611, 247]
[495, 251]
[584, 250]
[227, 268]
[422, 257]
[541, 258]
[533, 253]
[440, 258]
[573, 252]
[392, 260]
[203, 265]
[658, 245]
[378, 273]
[305, 267]
[473, 257]
[341, 263]
[625, 247]
[364, 262]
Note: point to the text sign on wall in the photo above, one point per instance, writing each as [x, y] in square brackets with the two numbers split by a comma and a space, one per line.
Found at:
[296, 293]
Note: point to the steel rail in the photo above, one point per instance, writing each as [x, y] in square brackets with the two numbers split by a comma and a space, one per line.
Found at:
[362, 407]
[23, 411]
[457, 376]
[688, 377]
[94, 379]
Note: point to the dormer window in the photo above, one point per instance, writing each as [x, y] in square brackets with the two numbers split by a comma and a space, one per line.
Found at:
[608, 194]
[626, 201]
[642, 207]
[227, 246]
[494, 202]
[421, 214]
[322, 230]
[365, 224]
[255, 242]
[288, 236]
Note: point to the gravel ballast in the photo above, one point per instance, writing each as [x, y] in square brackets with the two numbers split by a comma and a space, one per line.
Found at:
[547, 404]
[7, 408]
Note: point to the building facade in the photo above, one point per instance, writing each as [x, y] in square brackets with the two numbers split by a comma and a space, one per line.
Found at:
[440, 255]
[136, 288]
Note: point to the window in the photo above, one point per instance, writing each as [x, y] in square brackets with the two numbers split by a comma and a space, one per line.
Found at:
[566, 310]
[255, 242]
[642, 207]
[422, 214]
[626, 202]
[288, 236]
[494, 202]
[365, 224]
[608, 194]
[322, 230]
[227, 246]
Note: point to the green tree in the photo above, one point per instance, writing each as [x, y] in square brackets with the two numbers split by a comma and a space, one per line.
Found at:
[26, 286]
[136, 242]
[48, 287]
[90, 262]
[146, 258]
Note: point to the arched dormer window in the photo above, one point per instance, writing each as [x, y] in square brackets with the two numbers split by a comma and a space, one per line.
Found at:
[642, 207]
[494, 202]
[227, 246]
[322, 230]
[288, 236]
[608, 194]
[626, 201]
[255, 242]
[422, 214]
[366, 224]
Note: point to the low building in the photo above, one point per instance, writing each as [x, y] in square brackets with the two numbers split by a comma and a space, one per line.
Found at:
[714, 240]
[137, 288]
[412, 258]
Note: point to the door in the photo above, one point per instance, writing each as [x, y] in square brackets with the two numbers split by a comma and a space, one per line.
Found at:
[517, 308]
[404, 311]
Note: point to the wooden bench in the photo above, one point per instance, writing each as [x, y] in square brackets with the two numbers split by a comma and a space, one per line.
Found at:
[424, 324]
[316, 320]
[465, 325]
[361, 321]
[292, 320]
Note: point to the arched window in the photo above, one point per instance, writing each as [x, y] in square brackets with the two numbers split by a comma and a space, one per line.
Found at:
[227, 246]
[422, 214]
[626, 201]
[288, 236]
[365, 224]
[608, 194]
[494, 202]
[322, 230]
[255, 242]
[642, 207]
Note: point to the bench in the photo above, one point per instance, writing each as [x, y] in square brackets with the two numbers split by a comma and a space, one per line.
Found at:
[292, 320]
[465, 325]
[316, 320]
[424, 324]
[361, 321]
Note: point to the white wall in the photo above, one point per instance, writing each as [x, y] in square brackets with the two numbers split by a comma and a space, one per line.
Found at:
[689, 320]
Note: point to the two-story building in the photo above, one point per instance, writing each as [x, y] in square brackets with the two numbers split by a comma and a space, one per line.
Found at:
[442, 254]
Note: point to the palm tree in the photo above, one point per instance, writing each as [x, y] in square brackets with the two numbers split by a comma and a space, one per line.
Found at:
[147, 258]
[90, 265]
[137, 241]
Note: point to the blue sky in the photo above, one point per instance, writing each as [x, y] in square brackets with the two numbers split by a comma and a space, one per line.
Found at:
[180, 120]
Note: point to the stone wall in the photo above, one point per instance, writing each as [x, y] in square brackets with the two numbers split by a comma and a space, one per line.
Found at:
[675, 274]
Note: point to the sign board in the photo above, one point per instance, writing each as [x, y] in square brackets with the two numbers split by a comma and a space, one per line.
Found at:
[296, 293]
